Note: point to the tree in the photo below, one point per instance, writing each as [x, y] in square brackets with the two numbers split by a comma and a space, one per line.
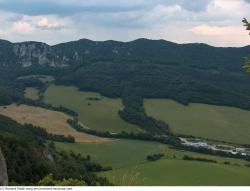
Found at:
[246, 24]
[247, 62]
[50, 181]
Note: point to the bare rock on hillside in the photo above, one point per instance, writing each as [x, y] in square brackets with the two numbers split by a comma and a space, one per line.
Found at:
[3, 171]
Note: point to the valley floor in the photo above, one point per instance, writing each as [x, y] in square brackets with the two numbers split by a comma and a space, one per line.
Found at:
[128, 158]
[130, 166]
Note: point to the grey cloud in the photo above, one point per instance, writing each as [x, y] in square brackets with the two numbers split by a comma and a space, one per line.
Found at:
[62, 7]
[190, 5]
[54, 28]
[115, 19]
[14, 18]
[59, 7]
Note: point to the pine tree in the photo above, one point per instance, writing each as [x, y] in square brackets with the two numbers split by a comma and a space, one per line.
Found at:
[247, 62]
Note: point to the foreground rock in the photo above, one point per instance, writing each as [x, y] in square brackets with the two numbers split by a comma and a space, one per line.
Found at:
[3, 171]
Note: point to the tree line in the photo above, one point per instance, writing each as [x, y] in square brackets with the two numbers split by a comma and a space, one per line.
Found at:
[172, 140]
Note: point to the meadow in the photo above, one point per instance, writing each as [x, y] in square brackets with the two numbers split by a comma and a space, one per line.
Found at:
[130, 167]
[170, 172]
[54, 122]
[202, 120]
[123, 153]
[31, 93]
[95, 111]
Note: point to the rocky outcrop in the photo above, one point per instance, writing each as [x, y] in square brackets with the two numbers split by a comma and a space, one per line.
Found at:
[3, 171]
[36, 53]
[48, 156]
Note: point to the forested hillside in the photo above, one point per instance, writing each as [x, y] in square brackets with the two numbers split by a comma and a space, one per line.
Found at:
[186, 73]
[133, 71]
[29, 158]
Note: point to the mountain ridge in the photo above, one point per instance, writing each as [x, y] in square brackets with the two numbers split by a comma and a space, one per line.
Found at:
[150, 68]
[138, 39]
[29, 53]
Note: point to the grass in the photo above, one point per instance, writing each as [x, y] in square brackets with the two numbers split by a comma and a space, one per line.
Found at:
[181, 173]
[128, 159]
[208, 121]
[31, 93]
[43, 78]
[121, 153]
[54, 122]
[101, 114]
[126, 153]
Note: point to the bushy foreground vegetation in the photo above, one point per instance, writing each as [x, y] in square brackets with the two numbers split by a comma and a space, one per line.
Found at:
[29, 159]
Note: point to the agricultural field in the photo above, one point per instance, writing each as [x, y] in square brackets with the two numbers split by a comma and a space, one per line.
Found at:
[127, 153]
[208, 121]
[43, 78]
[53, 121]
[128, 160]
[95, 111]
[31, 93]
[169, 172]
[121, 153]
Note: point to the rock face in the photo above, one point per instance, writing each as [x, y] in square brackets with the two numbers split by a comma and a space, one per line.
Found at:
[3, 171]
[48, 156]
[29, 53]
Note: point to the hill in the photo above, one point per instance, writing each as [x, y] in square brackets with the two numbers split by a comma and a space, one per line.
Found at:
[186, 73]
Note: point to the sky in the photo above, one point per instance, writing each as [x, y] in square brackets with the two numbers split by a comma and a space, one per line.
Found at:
[215, 22]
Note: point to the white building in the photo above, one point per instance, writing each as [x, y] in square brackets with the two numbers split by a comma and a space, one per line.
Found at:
[198, 144]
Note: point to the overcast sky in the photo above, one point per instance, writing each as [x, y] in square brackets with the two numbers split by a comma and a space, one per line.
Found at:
[215, 22]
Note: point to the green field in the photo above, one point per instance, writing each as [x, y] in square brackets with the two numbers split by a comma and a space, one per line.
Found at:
[119, 153]
[180, 173]
[101, 114]
[31, 93]
[124, 153]
[128, 157]
[208, 121]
